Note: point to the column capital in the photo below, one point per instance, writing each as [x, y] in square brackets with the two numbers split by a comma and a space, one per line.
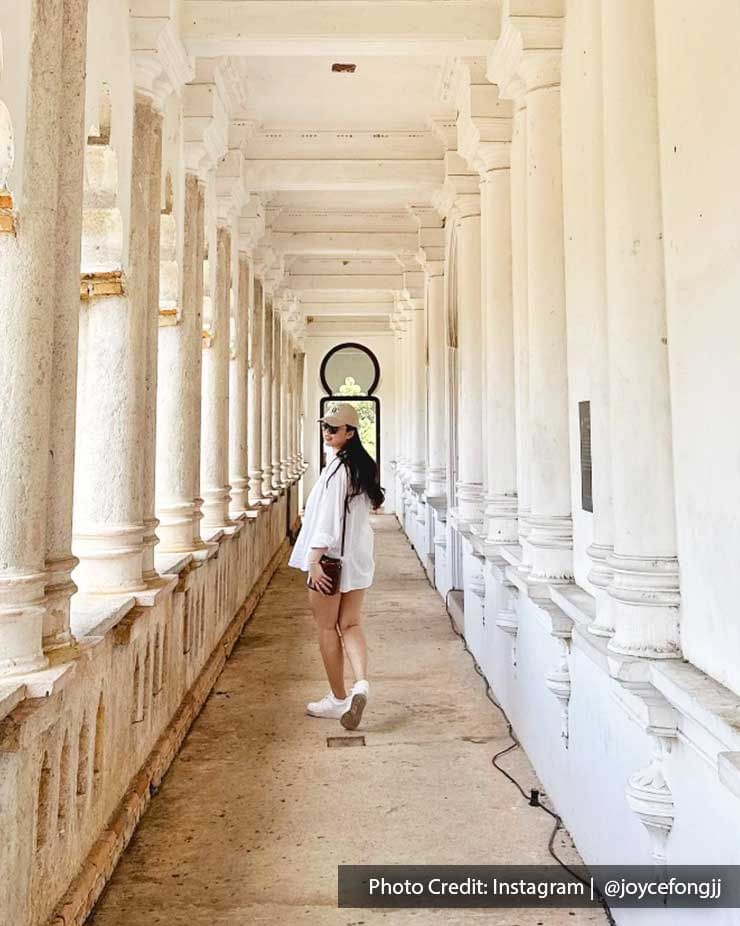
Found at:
[527, 55]
[160, 63]
[484, 123]
[462, 184]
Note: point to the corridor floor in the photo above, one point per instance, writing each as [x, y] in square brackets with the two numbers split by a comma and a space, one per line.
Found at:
[257, 812]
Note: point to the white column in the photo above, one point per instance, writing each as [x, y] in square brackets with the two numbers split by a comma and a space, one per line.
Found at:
[28, 247]
[645, 588]
[585, 279]
[214, 455]
[238, 373]
[108, 500]
[179, 363]
[470, 341]
[267, 342]
[284, 403]
[520, 304]
[66, 299]
[301, 405]
[437, 436]
[418, 395]
[500, 435]
[551, 534]
[254, 392]
[154, 192]
[276, 394]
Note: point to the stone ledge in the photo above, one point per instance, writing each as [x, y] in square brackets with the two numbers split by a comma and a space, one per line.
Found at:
[83, 893]
[710, 711]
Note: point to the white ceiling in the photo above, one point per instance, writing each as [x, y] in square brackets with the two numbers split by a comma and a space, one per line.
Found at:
[344, 153]
[383, 93]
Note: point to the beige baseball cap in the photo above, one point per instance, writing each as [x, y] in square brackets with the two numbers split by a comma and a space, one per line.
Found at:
[343, 413]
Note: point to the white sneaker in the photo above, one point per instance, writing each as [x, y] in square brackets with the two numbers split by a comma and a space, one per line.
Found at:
[328, 706]
[352, 715]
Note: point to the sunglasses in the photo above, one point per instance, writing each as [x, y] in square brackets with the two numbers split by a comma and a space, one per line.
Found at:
[330, 428]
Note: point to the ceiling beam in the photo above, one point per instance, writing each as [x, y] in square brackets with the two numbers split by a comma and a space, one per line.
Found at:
[345, 282]
[345, 175]
[336, 27]
[342, 244]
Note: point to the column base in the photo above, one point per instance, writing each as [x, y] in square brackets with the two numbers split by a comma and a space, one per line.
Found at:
[59, 589]
[550, 541]
[501, 519]
[255, 486]
[601, 576]
[216, 508]
[151, 540]
[21, 624]
[111, 559]
[436, 482]
[239, 496]
[645, 600]
[177, 526]
[469, 505]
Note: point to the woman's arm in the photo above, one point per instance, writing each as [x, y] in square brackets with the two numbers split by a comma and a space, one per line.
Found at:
[327, 534]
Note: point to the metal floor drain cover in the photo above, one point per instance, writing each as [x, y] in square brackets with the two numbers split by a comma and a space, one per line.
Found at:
[345, 741]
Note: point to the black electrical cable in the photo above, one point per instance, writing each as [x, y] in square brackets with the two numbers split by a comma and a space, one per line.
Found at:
[533, 797]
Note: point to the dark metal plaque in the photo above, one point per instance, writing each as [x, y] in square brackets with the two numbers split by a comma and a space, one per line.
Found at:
[584, 419]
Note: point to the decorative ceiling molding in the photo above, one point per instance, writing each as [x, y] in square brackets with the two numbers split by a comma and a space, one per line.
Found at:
[160, 63]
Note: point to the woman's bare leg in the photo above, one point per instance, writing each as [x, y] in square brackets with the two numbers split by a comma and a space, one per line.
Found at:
[353, 636]
[325, 610]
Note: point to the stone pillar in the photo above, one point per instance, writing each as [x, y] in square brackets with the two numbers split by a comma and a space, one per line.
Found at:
[284, 402]
[436, 435]
[30, 266]
[470, 340]
[301, 406]
[238, 374]
[66, 308]
[500, 436]
[585, 278]
[254, 392]
[418, 396]
[179, 385]
[214, 455]
[292, 411]
[267, 398]
[551, 534]
[276, 384]
[520, 304]
[154, 192]
[645, 587]
[108, 502]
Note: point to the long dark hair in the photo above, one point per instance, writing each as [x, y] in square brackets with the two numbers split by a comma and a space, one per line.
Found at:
[362, 471]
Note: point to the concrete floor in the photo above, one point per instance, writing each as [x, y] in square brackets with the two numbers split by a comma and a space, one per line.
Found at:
[256, 812]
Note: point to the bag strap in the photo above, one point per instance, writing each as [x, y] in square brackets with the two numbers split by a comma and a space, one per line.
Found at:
[344, 521]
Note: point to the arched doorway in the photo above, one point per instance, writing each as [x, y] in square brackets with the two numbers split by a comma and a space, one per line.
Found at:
[350, 372]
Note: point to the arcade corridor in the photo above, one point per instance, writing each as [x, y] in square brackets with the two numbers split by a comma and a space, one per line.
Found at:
[257, 812]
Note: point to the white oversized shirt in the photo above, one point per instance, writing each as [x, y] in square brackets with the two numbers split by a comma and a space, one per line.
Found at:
[322, 527]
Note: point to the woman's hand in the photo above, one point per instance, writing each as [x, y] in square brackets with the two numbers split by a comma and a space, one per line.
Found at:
[319, 578]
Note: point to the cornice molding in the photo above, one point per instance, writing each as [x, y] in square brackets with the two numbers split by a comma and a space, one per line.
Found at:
[161, 65]
[484, 125]
[528, 53]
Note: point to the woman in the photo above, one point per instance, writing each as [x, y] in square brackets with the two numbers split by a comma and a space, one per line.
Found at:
[340, 503]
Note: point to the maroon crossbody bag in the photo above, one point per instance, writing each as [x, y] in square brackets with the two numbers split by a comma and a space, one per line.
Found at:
[332, 565]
